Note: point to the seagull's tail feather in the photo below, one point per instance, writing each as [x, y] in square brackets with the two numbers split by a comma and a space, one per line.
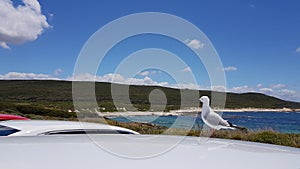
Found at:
[237, 127]
[230, 124]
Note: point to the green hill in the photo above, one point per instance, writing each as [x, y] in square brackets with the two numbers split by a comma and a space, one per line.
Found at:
[55, 97]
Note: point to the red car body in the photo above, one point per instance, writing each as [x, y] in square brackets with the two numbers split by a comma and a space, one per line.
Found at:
[4, 117]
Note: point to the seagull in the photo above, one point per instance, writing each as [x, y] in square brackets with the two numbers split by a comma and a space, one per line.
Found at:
[212, 119]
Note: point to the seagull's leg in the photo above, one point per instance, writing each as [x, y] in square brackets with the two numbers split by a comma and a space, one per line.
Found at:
[198, 125]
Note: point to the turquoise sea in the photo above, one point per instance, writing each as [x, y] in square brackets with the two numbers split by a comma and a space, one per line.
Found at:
[282, 122]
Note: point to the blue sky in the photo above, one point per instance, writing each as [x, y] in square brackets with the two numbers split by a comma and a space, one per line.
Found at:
[258, 42]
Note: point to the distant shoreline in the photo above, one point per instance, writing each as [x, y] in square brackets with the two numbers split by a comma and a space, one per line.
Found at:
[242, 110]
[192, 111]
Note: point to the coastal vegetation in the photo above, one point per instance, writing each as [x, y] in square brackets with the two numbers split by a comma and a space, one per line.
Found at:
[264, 136]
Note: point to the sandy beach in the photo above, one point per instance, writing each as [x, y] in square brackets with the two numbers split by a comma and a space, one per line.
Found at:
[191, 111]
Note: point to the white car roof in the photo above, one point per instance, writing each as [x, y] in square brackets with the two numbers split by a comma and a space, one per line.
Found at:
[36, 127]
[77, 152]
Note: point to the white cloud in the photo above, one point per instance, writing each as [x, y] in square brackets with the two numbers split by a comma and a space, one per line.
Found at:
[277, 86]
[185, 86]
[33, 4]
[144, 73]
[148, 73]
[116, 78]
[26, 76]
[194, 43]
[219, 88]
[187, 69]
[58, 71]
[241, 89]
[286, 92]
[275, 90]
[230, 68]
[266, 90]
[4, 45]
[298, 50]
[22, 23]
[259, 85]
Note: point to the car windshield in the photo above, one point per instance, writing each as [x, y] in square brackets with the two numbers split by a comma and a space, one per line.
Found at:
[6, 131]
[83, 131]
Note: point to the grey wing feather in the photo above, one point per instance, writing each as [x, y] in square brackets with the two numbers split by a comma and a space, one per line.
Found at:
[224, 123]
[216, 119]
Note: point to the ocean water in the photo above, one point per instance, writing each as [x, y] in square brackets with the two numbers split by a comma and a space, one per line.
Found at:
[278, 121]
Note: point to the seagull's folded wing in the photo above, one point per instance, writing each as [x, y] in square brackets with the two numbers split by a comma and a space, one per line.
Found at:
[215, 119]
